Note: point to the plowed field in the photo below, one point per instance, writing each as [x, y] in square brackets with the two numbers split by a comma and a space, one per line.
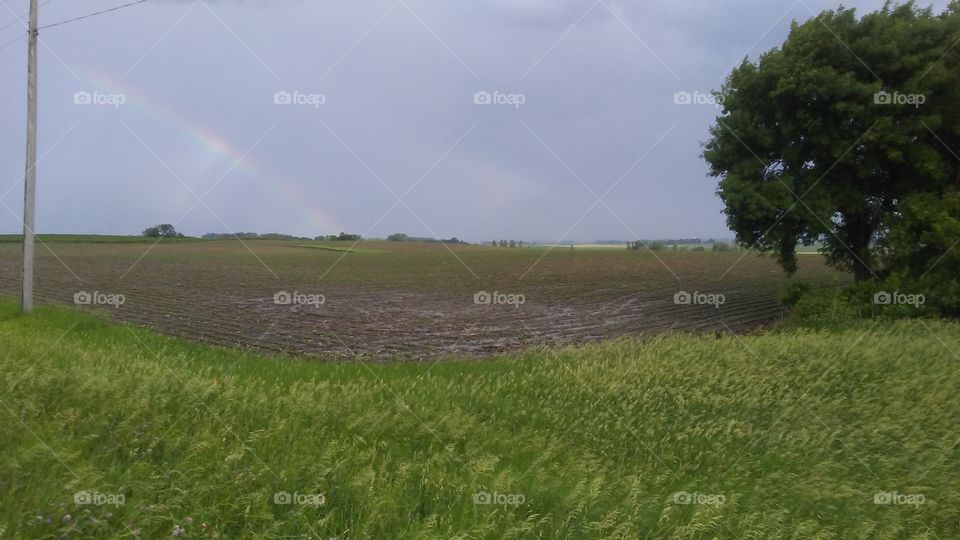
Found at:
[388, 300]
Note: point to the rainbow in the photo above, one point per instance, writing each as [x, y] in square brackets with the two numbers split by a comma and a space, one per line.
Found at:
[218, 147]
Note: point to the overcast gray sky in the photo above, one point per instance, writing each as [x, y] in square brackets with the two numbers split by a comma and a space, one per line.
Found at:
[316, 117]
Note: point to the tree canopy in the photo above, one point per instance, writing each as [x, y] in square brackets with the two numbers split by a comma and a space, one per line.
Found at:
[164, 230]
[823, 139]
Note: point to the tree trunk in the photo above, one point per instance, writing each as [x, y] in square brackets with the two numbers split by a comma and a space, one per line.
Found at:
[861, 269]
[857, 232]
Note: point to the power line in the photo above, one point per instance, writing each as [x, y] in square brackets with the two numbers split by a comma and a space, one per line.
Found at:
[13, 22]
[87, 16]
[20, 18]
[80, 18]
[11, 42]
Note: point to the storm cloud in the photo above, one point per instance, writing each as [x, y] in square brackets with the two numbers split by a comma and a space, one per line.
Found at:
[537, 119]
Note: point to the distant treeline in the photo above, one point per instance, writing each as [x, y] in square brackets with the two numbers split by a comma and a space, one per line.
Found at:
[278, 236]
[342, 237]
[683, 241]
[506, 243]
[400, 237]
[658, 245]
[252, 236]
[669, 241]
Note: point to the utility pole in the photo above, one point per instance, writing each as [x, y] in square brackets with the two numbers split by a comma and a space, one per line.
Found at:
[30, 178]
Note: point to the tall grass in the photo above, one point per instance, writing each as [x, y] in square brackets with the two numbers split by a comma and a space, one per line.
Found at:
[788, 435]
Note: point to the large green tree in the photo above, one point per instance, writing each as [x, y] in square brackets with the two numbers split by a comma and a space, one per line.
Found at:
[164, 230]
[821, 139]
[922, 251]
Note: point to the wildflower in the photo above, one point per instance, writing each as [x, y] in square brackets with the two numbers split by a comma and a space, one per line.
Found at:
[67, 518]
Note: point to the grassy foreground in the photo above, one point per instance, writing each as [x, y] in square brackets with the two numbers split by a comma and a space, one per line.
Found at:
[114, 432]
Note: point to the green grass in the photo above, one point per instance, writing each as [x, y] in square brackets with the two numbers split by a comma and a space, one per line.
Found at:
[796, 430]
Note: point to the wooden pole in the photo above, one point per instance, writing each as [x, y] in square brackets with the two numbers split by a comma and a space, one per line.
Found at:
[30, 178]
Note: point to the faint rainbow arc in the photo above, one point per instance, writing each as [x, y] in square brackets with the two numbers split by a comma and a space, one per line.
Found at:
[216, 144]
